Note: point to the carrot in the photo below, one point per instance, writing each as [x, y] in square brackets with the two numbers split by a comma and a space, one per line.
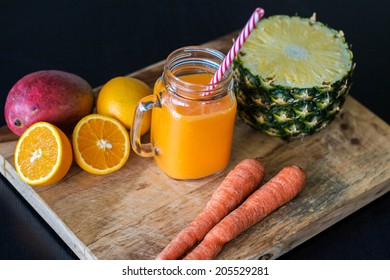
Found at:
[279, 190]
[238, 185]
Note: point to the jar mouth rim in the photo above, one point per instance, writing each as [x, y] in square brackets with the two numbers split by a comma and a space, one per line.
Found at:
[209, 57]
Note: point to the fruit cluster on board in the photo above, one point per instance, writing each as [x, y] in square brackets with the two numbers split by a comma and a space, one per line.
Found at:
[44, 106]
[291, 78]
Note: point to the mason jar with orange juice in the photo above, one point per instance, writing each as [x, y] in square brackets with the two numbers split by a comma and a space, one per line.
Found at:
[192, 120]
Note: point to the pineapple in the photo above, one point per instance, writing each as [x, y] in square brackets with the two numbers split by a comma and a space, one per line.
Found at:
[292, 75]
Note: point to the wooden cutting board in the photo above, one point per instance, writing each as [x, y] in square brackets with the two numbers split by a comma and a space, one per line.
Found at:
[134, 212]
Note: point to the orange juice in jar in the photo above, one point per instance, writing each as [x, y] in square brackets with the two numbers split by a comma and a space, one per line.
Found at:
[192, 121]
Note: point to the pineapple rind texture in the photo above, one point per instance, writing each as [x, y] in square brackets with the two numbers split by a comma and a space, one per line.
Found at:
[284, 110]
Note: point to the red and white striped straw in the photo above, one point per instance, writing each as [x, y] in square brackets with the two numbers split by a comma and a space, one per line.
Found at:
[250, 25]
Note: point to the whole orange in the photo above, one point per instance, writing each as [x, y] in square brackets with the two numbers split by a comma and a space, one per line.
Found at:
[119, 97]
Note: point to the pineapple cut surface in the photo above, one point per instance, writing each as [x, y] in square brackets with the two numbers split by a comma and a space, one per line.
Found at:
[296, 52]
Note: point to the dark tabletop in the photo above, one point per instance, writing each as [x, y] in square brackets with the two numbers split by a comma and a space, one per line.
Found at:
[99, 40]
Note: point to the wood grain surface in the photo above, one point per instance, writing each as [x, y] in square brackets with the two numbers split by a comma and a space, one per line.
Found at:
[134, 212]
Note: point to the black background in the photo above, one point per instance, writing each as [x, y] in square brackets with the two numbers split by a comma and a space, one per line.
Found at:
[99, 40]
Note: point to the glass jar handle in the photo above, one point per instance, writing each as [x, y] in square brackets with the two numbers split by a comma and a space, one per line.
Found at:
[145, 104]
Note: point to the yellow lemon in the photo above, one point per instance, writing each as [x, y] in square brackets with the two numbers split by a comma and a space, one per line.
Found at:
[119, 97]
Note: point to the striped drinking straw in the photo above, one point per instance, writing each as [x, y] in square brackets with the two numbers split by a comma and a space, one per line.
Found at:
[250, 25]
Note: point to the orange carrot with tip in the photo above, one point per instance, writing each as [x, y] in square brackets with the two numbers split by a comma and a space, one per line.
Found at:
[238, 185]
[277, 191]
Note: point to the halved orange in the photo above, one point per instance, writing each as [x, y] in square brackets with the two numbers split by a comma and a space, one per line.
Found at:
[43, 155]
[101, 144]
